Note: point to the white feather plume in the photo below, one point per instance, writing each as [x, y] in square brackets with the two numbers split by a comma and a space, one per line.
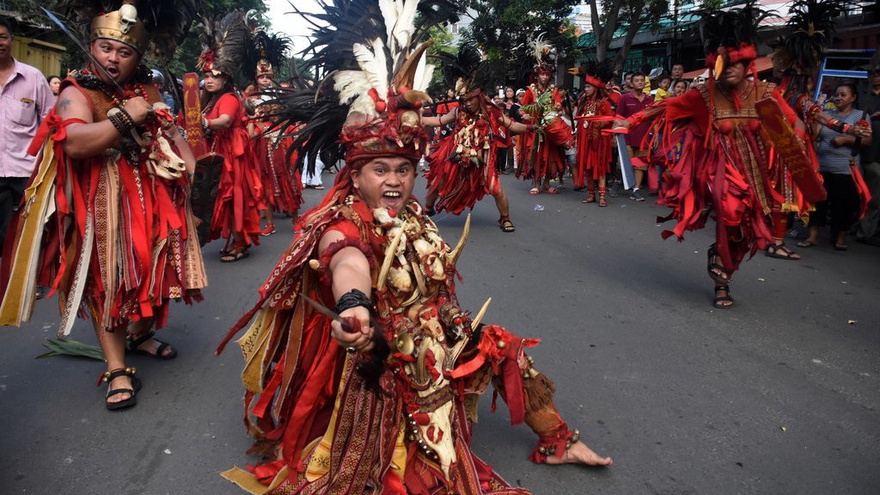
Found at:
[349, 84]
[373, 62]
[539, 46]
[423, 74]
[363, 104]
[390, 12]
[400, 16]
[405, 25]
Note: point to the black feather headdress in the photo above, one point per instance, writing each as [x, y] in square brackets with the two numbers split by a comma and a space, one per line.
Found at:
[370, 57]
[271, 52]
[164, 23]
[730, 37]
[226, 43]
[813, 26]
[462, 70]
[598, 73]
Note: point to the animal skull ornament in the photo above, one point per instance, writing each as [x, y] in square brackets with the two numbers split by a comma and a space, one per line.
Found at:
[410, 123]
[400, 279]
[128, 18]
[430, 319]
[163, 161]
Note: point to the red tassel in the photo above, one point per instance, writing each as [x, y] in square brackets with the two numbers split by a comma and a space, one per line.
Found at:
[380, 105]
[265, 473]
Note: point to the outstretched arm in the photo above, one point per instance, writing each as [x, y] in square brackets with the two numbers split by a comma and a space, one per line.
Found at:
[349, 269]
[513, 126]
[813, 111]
[438, 120]
[637, 118]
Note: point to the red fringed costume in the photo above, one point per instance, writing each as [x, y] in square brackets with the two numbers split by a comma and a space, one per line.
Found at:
[463, 163]
[304, 391]
[594, 150]
[542, 154]
[282, 182]
[240, 193]
[719, 163]
[112, 237]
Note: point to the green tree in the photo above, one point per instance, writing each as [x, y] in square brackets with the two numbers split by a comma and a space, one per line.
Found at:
[502, 29]
[635, 15]
[629, 15]
[184, 59]
[188, 51]
[442, 38]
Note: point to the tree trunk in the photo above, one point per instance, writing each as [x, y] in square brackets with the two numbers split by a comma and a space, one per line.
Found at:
[604, 34]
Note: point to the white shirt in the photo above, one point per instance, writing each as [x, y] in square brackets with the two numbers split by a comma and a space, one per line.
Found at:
[24, 102]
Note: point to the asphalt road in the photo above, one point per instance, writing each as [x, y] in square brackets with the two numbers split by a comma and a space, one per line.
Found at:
[778, 395]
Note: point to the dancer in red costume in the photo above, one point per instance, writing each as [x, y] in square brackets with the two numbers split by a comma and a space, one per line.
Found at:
[594, 150]
[720, 162]
[240, 195]
[106, 220]
[551, 144]
[462, 165]
[381, 398]
[281, 182]
[798, 56]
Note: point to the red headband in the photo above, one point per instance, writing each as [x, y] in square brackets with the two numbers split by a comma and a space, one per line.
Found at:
[593, 81]
[746, 51]
[543, 68]
[397, 132]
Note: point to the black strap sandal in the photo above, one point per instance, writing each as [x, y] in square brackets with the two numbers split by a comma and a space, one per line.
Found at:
[132, 347]
[725, 301]
[716, 270]
[109, 376]
[235, 254]
[780, 252]
[506, 225]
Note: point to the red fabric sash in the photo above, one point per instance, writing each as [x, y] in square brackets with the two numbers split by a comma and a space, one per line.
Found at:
[862, 188]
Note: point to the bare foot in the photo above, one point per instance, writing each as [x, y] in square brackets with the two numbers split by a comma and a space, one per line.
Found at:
[579, 453]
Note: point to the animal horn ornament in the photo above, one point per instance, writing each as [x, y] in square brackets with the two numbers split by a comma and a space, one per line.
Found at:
[456, 252]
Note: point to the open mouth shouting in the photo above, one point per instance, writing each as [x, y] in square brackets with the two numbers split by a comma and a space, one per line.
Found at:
[112, 70]
[392, 199]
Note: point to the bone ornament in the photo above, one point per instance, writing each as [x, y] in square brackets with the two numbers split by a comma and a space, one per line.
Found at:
[128, 18]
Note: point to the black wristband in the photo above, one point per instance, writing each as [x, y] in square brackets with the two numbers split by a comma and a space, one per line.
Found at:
[127, 116]
[352, 299]
[119, 123]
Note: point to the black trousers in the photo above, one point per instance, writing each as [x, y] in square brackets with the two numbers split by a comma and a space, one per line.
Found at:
[842, 203]
[11, 191]
[501, 159]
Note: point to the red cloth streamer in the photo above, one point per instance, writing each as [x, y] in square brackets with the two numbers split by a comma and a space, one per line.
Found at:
[265, 473]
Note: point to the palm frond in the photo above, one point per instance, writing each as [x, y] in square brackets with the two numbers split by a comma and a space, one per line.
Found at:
[69, 347]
